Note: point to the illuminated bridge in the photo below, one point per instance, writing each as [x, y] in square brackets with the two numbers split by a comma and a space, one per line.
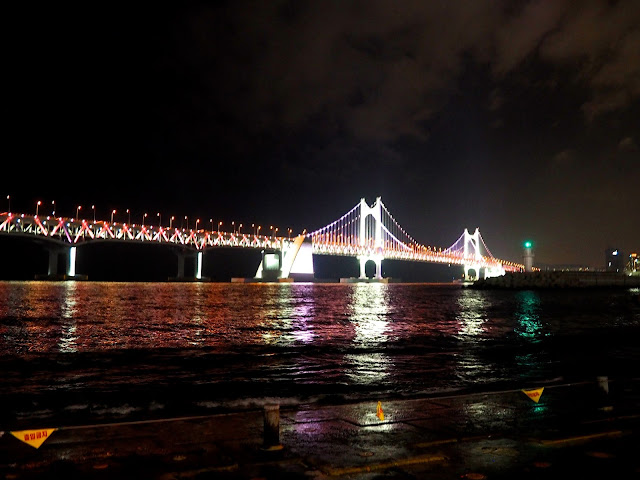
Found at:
[369, 233]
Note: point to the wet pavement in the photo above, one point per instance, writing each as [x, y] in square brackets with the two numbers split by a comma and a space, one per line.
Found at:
[574, 431]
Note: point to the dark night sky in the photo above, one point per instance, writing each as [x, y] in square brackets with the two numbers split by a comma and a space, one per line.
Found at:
[522, 118]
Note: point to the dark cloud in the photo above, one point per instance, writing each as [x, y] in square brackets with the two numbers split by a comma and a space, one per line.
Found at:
[627, 144]
[381, 71]
[603, 40]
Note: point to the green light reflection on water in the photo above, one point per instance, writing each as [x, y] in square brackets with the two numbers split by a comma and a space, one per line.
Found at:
[528, 316]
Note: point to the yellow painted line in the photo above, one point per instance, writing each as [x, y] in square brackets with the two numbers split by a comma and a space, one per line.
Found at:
[195, 473]
[336, 472]
[579, 438]
[612, 419]
[435, 443]
[458, 440]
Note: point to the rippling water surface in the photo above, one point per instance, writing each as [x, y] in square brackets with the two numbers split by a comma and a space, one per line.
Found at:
[75, 352]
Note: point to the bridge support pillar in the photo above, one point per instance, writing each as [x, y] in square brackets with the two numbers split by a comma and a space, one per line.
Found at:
[468, 277]
[293, 261]
[53, 262]
[270, 269]
[197, 269]
[71, 266]
[377, 259]
[69, 257]
[199, 266]
[180, 273]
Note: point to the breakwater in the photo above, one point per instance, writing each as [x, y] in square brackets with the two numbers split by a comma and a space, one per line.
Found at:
[558, 279]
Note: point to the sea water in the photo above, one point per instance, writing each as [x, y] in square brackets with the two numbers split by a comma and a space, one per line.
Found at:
[94, 352]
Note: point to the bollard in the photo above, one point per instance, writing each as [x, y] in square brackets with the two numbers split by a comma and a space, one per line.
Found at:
[272, 427]
[603, 383]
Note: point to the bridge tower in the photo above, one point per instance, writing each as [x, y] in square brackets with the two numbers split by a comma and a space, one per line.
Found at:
[473, 258]
[376, 212]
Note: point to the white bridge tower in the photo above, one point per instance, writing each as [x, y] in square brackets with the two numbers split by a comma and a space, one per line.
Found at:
[376, 254]
[473, 258]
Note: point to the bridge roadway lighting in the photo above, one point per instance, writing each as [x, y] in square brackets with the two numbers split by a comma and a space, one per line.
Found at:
[160, 219]
[53, 209]
[129, 216]
[143, 217]
[78, 208]
[219, 226]
[93, 207]
[171, 221]
[197, 222]
[187, 219]
[9, 201]
[239, 228]
[37, 206]
[112, 213]
[233, 226]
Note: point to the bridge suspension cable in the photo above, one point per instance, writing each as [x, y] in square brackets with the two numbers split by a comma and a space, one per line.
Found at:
[343, 231]
[365, 230]
[457, 248]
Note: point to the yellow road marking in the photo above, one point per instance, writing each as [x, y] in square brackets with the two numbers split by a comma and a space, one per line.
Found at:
[580, 438]
[335, 472]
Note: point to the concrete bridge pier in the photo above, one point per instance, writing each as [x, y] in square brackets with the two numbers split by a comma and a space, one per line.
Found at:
[54, 253]
[198, 259]
[294, 260]
[68, 256]
[270, 269]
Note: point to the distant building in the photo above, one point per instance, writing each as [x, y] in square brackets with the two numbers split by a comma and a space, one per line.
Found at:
[633, 265]
[614, 260]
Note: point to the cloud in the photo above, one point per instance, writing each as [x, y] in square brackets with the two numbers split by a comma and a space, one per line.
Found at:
[519, 35]
[379, 70]
[496, 100]
[602, 41]
[627, 144]
[565, 157]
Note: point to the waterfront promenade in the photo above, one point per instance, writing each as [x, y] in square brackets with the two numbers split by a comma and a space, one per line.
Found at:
[574, 430]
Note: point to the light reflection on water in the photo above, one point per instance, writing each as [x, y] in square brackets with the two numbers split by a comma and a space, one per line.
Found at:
[529, 324]
[368, 312]
[67, 343]
[305, 340]
[472, 319]
[472, 313]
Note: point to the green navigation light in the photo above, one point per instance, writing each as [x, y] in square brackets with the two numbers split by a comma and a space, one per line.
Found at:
[527, 244]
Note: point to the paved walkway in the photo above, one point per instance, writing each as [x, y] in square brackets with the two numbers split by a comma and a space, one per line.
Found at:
[573, 430]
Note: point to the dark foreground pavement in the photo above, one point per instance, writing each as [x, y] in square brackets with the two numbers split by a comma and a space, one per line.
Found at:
[575, 431]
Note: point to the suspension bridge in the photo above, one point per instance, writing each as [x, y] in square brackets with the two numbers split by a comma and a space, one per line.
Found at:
[366, 232]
